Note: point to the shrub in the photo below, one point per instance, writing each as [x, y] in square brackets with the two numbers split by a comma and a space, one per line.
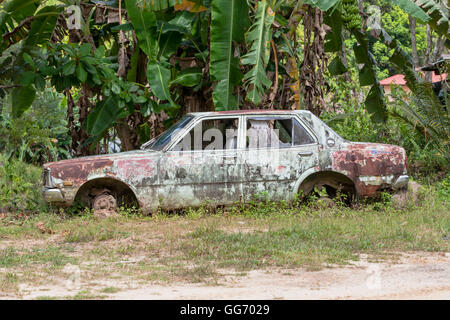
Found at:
[426, 158]
[20, 186]
[40, 134]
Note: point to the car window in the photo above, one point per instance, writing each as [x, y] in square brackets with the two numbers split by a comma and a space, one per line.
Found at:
[301, 136]
[275, 133]
[166, 137]
[211, 134]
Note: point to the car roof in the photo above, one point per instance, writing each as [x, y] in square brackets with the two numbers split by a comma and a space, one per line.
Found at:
[247, 112]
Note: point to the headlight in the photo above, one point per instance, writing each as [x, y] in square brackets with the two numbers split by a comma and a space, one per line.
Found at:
[47, 178]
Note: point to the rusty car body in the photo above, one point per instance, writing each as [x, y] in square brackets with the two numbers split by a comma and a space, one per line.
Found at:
[174, 171]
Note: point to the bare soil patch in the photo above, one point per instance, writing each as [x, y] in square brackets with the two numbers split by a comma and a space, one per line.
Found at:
[412, 276]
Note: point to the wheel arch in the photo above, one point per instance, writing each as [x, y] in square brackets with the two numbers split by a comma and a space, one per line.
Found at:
[119, 189]
[312, 177]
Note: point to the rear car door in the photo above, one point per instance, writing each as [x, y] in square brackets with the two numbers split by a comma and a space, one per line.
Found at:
[278, 149]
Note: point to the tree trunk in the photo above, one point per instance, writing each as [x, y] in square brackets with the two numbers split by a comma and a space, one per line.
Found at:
[438, 48]
[314, 62]
[428, 57]
[412, 28]
[78, 133]
[363, 15]
[129, 140]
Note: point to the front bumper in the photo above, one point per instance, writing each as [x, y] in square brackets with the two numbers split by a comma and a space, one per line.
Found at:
[401, 182]
[53, 195]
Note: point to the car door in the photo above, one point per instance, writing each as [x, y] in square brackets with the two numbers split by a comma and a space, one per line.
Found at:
[202, 166]
[278, 149]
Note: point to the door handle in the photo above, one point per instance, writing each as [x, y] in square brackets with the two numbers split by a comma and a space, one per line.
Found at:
[305, 154]
[230, 157]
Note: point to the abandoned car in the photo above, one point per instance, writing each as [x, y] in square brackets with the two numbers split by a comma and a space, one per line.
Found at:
[220, 158]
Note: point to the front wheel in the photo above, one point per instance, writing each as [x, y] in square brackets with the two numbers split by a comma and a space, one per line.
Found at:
[104, 205]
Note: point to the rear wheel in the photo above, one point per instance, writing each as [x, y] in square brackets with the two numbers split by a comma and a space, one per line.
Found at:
[328, 187]
[323, 195]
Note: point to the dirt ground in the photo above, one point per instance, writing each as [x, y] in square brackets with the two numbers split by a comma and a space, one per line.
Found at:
[410, 276]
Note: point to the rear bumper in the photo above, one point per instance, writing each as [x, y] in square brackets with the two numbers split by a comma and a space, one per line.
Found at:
[401, 182]
[53, 195]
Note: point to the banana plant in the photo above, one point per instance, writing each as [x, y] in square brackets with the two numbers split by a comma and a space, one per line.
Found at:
[158, 42]
[229, 21]
[258, 37]
[438, 13]
[344, 14]
[15, 18]
[143, 20]
[22, 23]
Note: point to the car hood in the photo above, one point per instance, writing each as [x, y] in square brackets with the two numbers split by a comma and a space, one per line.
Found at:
[374, 147]
[104, 158]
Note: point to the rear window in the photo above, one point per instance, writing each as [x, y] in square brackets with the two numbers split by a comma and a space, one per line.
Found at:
[265, 132]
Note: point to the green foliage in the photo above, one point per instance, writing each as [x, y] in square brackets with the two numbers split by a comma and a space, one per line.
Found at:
[42, 26]
[189, 77]
[427, 128]
[22, 98]
[353, 122]
[103, 116]
[347, 17]
[158, 77]
[412, 9]
[323, 5]
[438, 12]
[229, 21]
[144, 23]
[259, 36]
[13, 22]
[350, 14]
[424, 112]
[426, 156]
[173, 48]
[20, 186]
[396, 23]
[68, 66]
[347, 12]
[443, 189]
[40, 135]
[156, 5]
[12, 14]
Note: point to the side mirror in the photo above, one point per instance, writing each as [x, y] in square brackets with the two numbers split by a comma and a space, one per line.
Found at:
[331, 142]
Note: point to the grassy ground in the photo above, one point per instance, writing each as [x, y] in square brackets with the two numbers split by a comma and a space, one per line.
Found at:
[194, 245]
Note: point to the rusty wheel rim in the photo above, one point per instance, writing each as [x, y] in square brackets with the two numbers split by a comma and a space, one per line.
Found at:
[104, 201]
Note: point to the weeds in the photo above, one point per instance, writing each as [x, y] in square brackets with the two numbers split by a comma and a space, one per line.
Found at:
[52, 256]
[93, 232]
[19, 186]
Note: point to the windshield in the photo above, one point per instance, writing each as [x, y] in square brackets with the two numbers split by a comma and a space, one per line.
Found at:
[164, 138]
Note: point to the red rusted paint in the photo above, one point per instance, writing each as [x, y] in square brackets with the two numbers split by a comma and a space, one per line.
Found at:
[78, 170]
[368, 159]
[134, 167]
